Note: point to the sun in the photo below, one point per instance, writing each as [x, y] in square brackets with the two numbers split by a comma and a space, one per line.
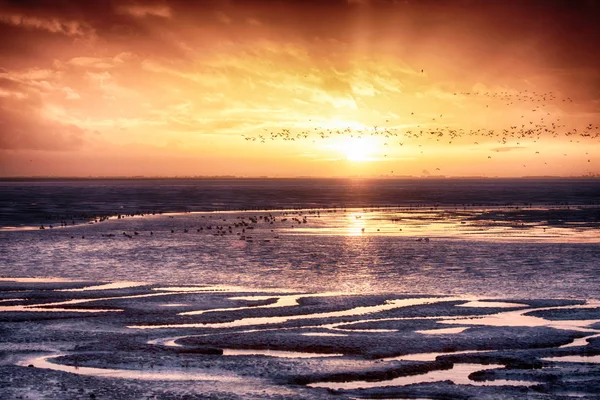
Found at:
[356, 150]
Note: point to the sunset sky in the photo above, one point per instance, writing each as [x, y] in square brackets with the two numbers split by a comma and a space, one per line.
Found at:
[165, 88]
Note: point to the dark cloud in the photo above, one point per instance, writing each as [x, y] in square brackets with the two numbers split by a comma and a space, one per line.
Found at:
[462, 39]
[559, 32]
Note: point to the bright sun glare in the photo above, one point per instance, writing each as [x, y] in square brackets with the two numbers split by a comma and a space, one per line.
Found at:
[356, 150]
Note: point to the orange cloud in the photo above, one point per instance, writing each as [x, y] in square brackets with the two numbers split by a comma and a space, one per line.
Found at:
[434, 84]
[53, 25]
[141, 11]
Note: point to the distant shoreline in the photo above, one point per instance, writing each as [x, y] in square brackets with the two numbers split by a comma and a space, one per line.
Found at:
[226, 177]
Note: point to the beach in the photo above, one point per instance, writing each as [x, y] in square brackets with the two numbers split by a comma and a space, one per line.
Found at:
[437, 301]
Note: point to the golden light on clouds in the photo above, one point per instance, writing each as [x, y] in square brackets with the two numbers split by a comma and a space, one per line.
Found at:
[290, 88]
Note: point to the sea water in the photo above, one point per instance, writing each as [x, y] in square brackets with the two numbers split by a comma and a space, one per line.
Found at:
[518, 238]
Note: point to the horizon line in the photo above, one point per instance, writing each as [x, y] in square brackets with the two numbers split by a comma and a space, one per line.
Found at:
[373, 177]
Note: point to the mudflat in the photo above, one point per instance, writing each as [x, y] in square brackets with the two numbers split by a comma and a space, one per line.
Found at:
[66, 339]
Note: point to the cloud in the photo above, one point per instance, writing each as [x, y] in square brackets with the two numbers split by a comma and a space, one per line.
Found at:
[30, 75]
[98, 62]
[53, 25]
[223, 18]
[12, 93]
[172, 71]
[253, 22]
[70, 94]
[211, 77]
[142, 11]
[24, 128]
[29, 83]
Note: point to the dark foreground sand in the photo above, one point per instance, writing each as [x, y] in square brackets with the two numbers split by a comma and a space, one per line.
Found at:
[152, 342]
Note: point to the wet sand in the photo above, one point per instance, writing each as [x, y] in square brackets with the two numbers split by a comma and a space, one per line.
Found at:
[135, 340]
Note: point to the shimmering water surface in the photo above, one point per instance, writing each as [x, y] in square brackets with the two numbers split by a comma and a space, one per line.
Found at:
[497, 238]
[31, 201]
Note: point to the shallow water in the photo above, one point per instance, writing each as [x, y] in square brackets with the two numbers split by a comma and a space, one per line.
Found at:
[149, 374]
[276, 353]
[521, 318]
[498, 238]
[459, 374]
[329, 252]
[41, 201]
[281, 301]
[112, 285]
[430, 356]
[492, 304]
[243, 322]
[320, 326]
[575, 359]
[442, 331]
[580, 342]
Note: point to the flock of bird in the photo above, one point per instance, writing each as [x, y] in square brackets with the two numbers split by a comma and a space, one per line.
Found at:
[240, 227]
[218, 226]
[530, 127]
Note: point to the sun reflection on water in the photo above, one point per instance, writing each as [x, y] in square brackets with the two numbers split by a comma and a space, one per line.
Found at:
[356, 223]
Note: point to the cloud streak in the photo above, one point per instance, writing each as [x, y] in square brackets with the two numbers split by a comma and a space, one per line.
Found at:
[52, 25]
[142, 11]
